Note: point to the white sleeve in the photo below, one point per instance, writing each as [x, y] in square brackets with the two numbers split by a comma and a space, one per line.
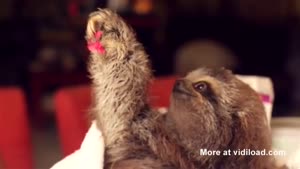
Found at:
[90, 155]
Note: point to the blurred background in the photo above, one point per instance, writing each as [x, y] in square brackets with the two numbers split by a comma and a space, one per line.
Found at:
[43, 49]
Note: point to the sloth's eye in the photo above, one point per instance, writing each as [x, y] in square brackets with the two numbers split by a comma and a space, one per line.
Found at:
[200, 86]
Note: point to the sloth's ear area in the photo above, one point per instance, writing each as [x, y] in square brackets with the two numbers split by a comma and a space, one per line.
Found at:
[222, 74]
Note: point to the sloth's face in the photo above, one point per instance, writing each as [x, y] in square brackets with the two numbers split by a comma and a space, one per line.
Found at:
[205, 96]
[202, 89]
[212, 109]
[198, 105]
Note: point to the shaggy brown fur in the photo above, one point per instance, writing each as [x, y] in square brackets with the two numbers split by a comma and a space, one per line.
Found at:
[209, 109]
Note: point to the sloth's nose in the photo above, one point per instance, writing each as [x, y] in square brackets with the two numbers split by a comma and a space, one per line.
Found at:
[181, 89]
[179, 85]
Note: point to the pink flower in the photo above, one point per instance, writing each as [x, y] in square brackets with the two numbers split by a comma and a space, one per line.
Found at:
[98, 35]
[95, 45]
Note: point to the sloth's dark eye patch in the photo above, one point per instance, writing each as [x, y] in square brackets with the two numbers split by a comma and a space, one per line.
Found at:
[205, 90]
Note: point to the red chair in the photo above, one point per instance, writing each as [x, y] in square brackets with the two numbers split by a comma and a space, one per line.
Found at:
[15, 142]
[160, 91]
[73, 103]
[71, 106]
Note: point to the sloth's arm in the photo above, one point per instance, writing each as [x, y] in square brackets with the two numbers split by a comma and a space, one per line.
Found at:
[120, 77]
[120, 80]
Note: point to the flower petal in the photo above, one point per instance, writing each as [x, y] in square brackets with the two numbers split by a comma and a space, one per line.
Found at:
[96, 47]
[98, 35]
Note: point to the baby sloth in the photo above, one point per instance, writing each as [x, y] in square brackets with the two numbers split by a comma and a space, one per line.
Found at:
[210, 109]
